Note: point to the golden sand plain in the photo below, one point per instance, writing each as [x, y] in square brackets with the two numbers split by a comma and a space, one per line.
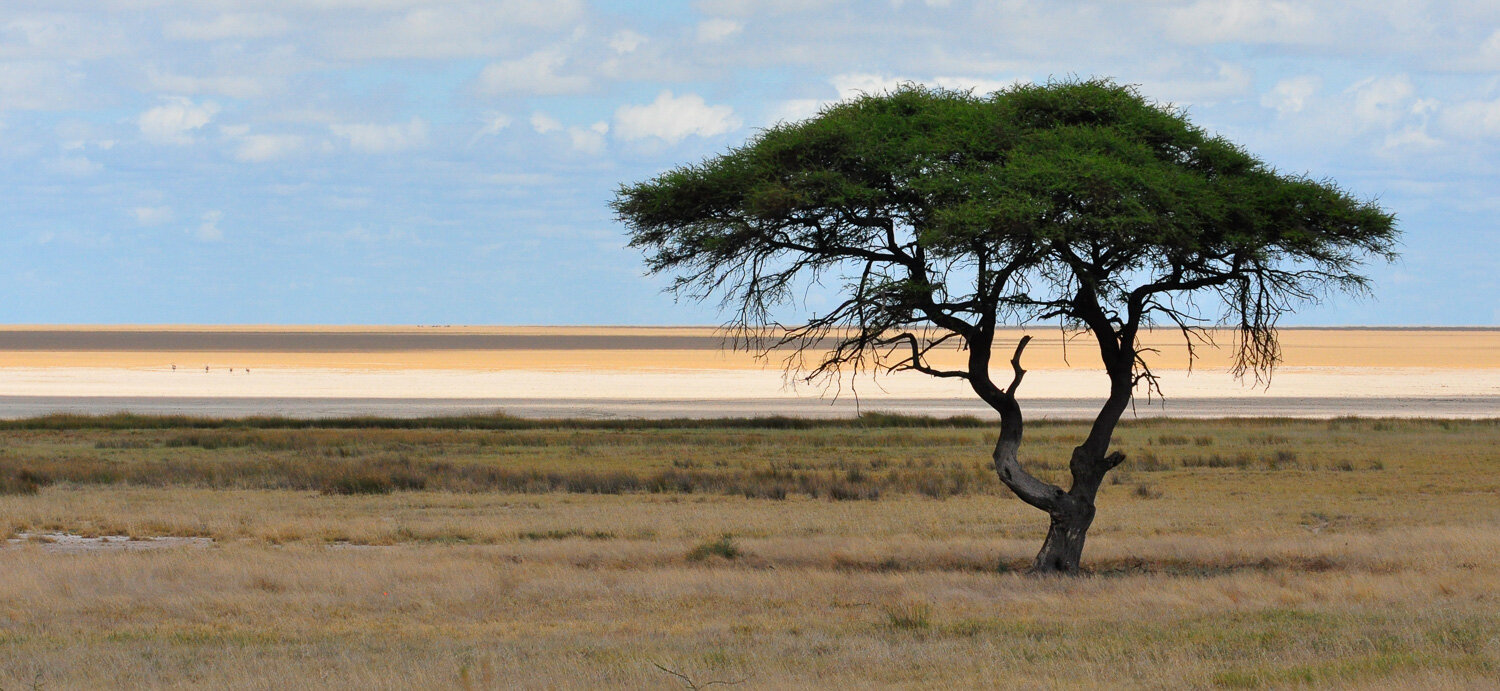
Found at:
[703, 348]
[49, 368]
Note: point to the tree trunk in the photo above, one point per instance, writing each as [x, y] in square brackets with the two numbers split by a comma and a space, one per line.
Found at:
[1063, 550]
[1073, 513]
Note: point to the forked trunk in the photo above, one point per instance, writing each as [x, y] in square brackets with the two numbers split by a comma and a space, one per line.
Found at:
[1071, 511]
[1062, 552]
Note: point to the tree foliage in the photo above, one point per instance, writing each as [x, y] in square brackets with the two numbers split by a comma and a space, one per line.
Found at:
[946, 214]
[947, 209]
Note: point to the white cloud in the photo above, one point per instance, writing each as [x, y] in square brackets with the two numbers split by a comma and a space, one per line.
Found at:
[80, 145]
[1320, 123]
[535, 74]
[493, 123]
[626, 41]
[36, 85]
[796, 109]
[1472, 119]
[853, 84]
[1413, 138]
[450, 29]
[718, 29]
[76, 166]
[1244, 21]
[1199, 82]
[59, 35]
[80, 135]
[589, 140]
[979, 85]
[375, 139]
[543, 123]
[175, 121]
[306, 116]
[521, 179]
[208, 230]
[1291, 95]
[764, 7]
[1489, 52]
[673, 118]
[227, 26]
[1382, 101]
[259, 148]
[226, 85]
[153, 215]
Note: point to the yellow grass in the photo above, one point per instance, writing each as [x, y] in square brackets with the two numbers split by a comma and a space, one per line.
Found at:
[1367, 556]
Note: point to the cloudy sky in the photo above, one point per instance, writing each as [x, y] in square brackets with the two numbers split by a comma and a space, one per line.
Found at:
[450, 161]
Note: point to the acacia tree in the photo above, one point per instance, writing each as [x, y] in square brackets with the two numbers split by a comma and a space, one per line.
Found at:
[946, 215]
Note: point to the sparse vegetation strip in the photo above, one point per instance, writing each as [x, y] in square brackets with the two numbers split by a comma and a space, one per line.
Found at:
[862, 459]
[495, 421]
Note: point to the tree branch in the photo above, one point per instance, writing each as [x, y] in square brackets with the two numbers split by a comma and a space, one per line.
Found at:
[1015, 364]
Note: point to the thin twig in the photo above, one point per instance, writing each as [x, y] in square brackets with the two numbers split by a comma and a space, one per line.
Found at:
[693, 684]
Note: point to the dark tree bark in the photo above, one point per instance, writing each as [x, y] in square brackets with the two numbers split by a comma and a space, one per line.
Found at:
[1062, 551]
[1071, 512]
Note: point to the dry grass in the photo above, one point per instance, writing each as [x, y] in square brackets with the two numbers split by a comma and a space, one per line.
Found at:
[1346, 553]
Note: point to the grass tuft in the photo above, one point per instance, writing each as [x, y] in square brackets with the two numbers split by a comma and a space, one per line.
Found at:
[908, 615]
[723, 546]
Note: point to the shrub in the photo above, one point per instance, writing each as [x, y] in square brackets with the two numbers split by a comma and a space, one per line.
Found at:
[363, 483]
[1146, 491]
[565, 534]
[723, 546]
[1147, 461]
[1281, 459]
[22, 481]
[765, 491]
[909, 616]
[844, 491]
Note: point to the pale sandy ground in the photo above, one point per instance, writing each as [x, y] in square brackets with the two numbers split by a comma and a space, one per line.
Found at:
[653, 348]
[652, 372]
[68, 543]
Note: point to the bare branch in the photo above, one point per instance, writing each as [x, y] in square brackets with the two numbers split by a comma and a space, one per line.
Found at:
[916, 361]
[691, 684]
[1015, 364]
[1043, 495]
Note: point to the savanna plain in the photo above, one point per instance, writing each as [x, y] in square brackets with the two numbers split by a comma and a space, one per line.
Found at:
[486, 552]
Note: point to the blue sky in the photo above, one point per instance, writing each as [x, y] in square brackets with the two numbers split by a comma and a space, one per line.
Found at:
[450, 161]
